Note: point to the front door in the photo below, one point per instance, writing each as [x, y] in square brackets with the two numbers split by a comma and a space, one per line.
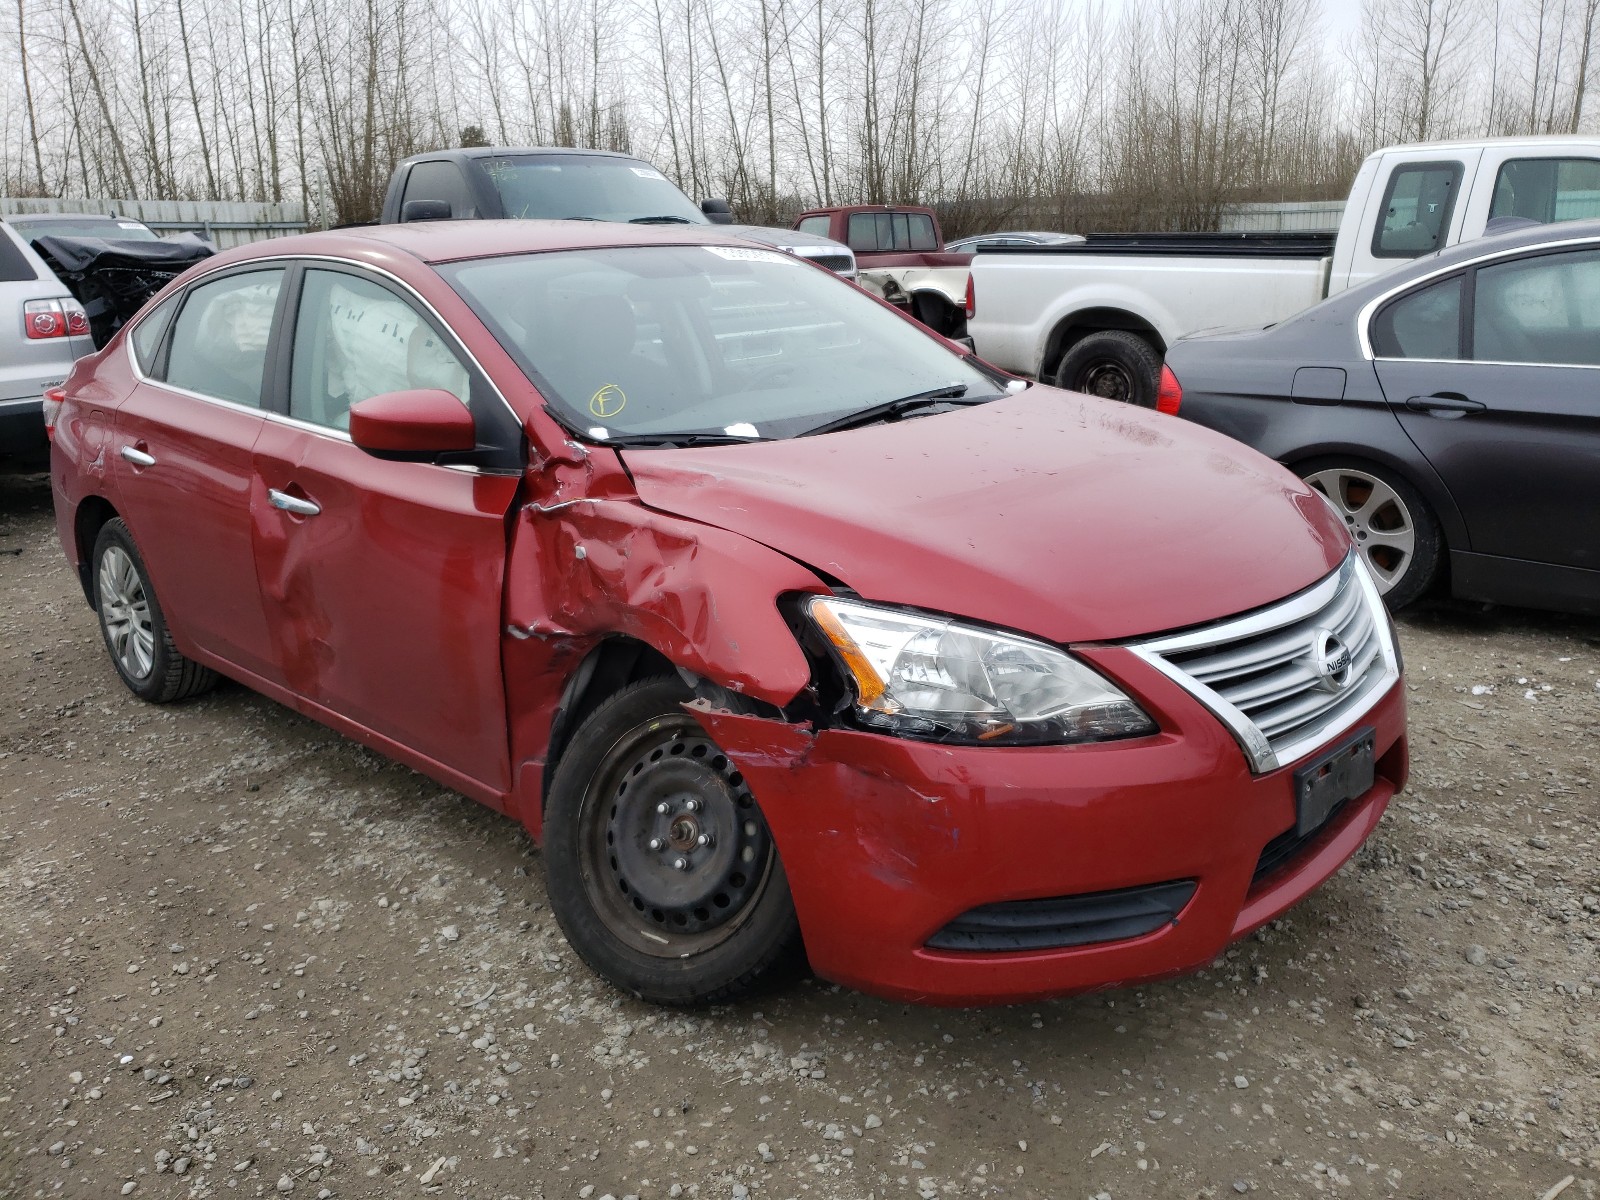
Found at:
[383, 579]
[183, 466]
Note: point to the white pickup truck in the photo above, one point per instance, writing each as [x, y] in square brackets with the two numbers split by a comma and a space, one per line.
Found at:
[1097, 316]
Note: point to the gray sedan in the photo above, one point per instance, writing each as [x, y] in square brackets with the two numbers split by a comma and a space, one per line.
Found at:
[1449, 410]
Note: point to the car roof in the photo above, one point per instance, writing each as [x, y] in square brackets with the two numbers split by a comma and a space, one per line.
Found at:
[450, 241]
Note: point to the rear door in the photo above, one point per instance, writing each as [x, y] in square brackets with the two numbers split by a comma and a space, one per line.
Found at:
[1494, 373]
[181, 456]
[382, 579]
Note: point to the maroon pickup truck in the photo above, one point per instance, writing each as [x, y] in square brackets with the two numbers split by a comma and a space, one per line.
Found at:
[900, 256]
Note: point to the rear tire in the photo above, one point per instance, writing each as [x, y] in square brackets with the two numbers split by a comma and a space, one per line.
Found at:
[1389, 521]
[131, 621]
[660, 868]
[1113, 364]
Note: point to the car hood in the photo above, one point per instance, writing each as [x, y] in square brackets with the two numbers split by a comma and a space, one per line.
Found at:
[1066, 517]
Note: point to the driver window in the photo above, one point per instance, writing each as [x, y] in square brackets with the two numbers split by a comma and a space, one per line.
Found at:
[355, 339]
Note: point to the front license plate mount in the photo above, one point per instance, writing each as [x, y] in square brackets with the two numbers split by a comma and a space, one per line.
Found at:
[1342, 774]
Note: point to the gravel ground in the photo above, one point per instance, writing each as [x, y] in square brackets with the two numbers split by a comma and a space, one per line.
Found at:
[244, 956]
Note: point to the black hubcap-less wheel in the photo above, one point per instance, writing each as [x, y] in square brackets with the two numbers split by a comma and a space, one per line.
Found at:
[676, 851]
[1107, 379]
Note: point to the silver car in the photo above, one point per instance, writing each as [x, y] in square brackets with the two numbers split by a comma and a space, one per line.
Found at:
[43, 330]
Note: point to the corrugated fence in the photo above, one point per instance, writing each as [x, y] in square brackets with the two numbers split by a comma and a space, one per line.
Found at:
[226, 222]
[1298, 216]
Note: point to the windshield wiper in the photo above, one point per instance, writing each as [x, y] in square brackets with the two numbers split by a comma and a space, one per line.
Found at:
[659, 221]
[680, 439]
[897, 409]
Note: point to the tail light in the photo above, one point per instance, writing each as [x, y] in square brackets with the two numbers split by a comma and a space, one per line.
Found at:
[1169, 394]
[43, 319]
[53, 400]
[972, 298]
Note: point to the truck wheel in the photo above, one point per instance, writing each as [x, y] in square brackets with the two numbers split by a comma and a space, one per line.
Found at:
[1389, 521]
[661, 870]
[1113, 364]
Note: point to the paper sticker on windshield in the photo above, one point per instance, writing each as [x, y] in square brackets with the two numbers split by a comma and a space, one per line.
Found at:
[129, 225]
[646, 173]
[608, 401]
[740, 254]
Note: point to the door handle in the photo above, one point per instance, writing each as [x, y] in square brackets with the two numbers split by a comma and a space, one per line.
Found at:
[292, 504]
[1445, 404]
[138, 457]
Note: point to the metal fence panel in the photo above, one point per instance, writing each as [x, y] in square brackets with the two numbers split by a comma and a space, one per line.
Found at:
[1296, 216]
[227, 223]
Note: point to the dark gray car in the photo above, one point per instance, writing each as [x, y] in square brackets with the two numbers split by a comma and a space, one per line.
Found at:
[1450, 411]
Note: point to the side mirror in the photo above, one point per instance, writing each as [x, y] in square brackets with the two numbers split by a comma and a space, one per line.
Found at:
[412, 426]
[718, 211]
[425, 210]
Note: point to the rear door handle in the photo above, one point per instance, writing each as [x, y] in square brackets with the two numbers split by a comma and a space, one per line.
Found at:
[1445, 404]
[138, 457]
[292, 504]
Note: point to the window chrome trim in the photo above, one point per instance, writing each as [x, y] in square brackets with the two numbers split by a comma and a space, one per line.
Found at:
[289, 260]
[1262, 757]
[1370, 308]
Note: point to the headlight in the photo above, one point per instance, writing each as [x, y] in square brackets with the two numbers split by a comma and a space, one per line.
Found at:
[937, 677]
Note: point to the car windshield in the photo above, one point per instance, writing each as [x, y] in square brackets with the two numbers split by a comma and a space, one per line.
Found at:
[100, 227]
[586, 186]
[722, 341]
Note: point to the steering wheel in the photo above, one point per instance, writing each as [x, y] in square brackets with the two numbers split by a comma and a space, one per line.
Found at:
[773, 375]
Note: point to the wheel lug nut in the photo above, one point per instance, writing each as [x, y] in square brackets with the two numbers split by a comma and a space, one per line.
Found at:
[703, 840]
[681, 864]
[692, 804]
[656, 843]
[663, 808]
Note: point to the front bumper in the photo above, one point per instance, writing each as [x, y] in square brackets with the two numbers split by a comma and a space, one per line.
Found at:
[886, 841]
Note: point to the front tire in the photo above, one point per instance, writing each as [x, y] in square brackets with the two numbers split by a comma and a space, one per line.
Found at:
[131, 621]
[1389, 521]
[661, 870]
[1113, 364]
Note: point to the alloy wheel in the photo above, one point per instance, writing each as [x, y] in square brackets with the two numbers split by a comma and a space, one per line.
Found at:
[125, 613]
[1377, 517]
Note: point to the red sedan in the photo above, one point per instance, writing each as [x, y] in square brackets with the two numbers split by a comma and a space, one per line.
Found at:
[783, 626]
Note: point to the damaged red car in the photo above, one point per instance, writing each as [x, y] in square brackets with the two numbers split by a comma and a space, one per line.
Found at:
[788, 630]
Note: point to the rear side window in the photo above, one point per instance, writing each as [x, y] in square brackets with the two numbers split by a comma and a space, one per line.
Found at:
[1423, 324]
[815, 225]
[1547, 189]
[891, 231]
[1539, 310]
[219, 341]
[14, 264]
[440, 181]
[147, 334]
[1416, 210]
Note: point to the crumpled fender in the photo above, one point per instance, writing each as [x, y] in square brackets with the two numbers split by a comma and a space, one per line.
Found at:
[600, 564]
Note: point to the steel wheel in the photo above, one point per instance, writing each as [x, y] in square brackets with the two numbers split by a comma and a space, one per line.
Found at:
[677, 851]
[661, 868]
[1378, 517]
[125, 614]
[1106, 379]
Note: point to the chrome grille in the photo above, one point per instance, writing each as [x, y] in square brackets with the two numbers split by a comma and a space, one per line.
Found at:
[1277, 677]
